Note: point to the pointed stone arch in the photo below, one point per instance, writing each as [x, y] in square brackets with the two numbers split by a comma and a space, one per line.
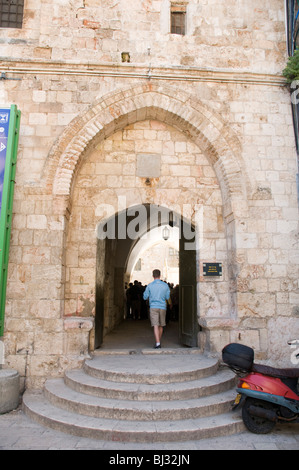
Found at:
[113, 112]
[182, 111]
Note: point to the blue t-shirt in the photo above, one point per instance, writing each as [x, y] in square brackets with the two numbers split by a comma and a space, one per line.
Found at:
[158, 293]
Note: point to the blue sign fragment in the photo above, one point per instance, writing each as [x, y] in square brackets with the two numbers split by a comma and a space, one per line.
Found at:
[4, 126]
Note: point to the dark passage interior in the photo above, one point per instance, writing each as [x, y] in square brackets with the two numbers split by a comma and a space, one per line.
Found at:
[137, 335]
[116, 241]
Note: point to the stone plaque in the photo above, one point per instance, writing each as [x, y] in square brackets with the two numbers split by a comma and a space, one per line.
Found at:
[148, 165]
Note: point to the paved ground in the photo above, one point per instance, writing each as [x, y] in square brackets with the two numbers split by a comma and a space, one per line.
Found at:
[18, 432]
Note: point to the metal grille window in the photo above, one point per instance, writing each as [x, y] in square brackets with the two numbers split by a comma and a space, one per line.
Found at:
[11, 13]
[178, 18]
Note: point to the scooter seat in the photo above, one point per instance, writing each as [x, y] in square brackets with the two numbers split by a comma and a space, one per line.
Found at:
[273, 372]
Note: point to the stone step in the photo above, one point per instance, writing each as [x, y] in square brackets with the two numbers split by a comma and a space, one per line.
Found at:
[80, 381]
[151, 369]
[39, 408]
[140, 398]
[62, 396]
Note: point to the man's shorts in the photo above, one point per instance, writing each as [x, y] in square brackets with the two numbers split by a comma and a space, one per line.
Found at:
[157, 316]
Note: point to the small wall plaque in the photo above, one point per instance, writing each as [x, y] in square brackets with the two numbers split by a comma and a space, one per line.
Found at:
[148, 165]
[212, 269]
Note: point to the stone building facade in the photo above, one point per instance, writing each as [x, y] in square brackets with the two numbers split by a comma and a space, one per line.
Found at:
[103, 85]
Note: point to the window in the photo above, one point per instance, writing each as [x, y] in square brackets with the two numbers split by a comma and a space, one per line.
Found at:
[11, 13]
[178, 18]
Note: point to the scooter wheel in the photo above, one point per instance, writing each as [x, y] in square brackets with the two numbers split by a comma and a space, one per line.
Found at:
[257, 424]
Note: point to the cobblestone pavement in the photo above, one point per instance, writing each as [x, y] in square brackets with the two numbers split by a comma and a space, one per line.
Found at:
[18, 432]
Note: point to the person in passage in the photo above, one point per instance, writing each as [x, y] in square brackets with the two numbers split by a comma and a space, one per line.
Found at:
[157, 292]
[128, 300]
[136, 297]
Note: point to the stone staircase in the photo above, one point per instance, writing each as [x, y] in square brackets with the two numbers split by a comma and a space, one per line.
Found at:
[152, 396]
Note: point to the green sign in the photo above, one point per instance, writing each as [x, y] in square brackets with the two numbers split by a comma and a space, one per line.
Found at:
[9, 138]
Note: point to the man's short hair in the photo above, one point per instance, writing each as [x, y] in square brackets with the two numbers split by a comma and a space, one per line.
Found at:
[156, 273]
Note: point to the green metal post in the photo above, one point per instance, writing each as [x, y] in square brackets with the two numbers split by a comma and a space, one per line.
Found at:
[7, 204]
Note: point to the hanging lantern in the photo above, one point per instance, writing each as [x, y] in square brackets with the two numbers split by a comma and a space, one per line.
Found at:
[165, 233]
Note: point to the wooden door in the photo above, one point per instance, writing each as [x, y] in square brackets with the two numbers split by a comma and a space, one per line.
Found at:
[188, 324]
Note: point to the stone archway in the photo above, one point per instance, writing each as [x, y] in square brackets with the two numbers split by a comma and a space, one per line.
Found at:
[194, 120]
[149, 101]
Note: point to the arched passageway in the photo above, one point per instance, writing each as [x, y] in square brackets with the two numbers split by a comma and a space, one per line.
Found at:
[118, 239]
[95, 164]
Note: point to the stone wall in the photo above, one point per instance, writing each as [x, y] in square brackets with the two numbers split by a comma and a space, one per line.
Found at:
[212, 104]
[219, 34]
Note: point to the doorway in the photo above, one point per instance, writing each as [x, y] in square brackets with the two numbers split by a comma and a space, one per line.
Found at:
[118, 240]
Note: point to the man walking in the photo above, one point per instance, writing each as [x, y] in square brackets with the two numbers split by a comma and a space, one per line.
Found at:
[158, 293]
